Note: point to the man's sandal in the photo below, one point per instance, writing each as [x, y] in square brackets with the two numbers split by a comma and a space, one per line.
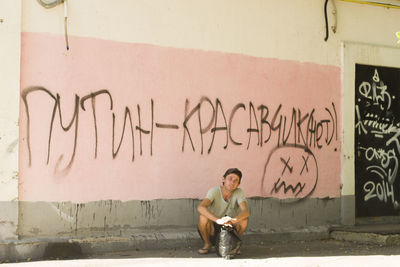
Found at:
[204, 250]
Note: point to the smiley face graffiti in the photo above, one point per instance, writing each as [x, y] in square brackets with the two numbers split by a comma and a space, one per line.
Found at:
[290, 172]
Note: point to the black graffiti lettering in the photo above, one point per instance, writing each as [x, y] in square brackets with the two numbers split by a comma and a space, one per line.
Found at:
[277, 127]
[127, 114]
[320, 131]
[263, 121]
[328, 141]
[74, 120]
[215, 128]
[24, 96]
[250, 129]
[92, 97]
[213, 117]
[235, 108]
[141, 130]
[300, 132]
[327, 138]
[301, 129]
[292, 124]
[327, 122]
[167, 126]
[200, 128]
[152, 127]
[185, 128]
[211, 123]
[310, 136]
[335, 125]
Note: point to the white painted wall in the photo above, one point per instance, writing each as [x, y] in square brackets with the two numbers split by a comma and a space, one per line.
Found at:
[10, 36]
[264, 28]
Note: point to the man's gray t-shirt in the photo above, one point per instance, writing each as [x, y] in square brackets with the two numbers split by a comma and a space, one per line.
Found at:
[219, 207]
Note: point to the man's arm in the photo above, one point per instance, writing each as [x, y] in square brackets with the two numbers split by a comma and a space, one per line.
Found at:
[203, 210]
[244, 213]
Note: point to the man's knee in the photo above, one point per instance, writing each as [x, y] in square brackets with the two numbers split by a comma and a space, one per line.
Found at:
[203, 220]
[241, 226]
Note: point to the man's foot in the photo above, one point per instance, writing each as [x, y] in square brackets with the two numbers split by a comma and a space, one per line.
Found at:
[204, 250]
[238, 252]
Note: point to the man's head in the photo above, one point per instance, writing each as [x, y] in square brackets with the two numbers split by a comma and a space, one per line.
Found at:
[231, 179]
[234, 171]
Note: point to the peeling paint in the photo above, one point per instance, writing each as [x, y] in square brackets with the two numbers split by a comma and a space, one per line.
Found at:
[35, 230]
[95, 218]
[61, 213]
[11, 147]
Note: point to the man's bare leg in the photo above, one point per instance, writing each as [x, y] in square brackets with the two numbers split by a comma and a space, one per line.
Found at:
[206, 230]
[240, 228]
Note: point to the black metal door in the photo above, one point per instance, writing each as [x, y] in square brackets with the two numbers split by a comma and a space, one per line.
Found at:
[377, 140]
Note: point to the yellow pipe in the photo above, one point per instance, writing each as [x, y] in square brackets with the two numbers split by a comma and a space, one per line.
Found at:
[372, 3]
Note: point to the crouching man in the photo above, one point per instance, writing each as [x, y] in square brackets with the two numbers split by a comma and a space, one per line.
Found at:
[222, 201]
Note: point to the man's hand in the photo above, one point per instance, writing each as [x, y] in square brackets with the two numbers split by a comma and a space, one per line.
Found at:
[232, 221]
[226, 221]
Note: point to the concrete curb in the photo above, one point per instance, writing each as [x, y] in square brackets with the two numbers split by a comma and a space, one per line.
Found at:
[367, 238]
[36, 248]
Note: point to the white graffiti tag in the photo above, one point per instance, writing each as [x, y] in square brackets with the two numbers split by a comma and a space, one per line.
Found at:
[377, 92]
[388, 160]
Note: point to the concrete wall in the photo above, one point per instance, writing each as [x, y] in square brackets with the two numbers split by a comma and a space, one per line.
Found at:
[117, 218]
[155, 99]
[10, 46]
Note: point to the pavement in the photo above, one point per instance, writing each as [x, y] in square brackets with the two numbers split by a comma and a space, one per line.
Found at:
[293, 253]
[381, 234]
[386, 261]
[366, 245]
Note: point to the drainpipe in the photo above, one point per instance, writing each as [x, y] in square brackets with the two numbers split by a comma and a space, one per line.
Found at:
[53, 3]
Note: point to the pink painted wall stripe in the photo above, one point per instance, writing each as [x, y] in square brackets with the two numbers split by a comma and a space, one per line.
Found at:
[188, 114]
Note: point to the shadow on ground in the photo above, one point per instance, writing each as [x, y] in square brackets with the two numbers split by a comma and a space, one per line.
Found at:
[270, 250]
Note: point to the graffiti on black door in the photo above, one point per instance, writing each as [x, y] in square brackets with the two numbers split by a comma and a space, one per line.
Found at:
[377, 141]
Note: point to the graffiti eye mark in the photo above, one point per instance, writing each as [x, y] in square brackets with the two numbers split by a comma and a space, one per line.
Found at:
[286, 165]
[305, 164]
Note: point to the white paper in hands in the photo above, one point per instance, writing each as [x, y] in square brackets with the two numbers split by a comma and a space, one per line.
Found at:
[225, 220]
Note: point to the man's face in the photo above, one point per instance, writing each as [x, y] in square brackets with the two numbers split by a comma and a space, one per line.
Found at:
[231, 182]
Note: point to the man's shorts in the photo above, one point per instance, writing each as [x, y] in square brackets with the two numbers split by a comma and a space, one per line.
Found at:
[213, 238]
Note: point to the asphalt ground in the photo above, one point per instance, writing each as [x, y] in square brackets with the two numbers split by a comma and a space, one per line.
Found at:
[293, 253]
[273, 250]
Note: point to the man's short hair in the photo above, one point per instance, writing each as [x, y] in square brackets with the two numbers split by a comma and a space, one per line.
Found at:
[234, 171]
